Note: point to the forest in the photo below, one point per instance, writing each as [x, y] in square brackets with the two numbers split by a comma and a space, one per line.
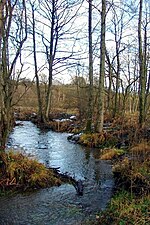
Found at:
[89, 60]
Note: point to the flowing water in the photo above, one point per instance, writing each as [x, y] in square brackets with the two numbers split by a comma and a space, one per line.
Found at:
[58, 205]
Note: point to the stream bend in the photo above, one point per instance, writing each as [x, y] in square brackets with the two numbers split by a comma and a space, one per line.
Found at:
[58, 205]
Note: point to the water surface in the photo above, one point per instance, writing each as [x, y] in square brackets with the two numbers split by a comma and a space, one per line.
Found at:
[58, 205]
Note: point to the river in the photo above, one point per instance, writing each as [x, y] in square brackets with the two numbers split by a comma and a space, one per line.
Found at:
[58, 205]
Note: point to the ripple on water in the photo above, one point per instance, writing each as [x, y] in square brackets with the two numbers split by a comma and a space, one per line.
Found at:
[57, 205]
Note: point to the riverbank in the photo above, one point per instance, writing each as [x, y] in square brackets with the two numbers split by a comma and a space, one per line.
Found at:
[20, 173]
[126, 208]
[121, 132]
[130, 203]
[57, 205]
[129, 175]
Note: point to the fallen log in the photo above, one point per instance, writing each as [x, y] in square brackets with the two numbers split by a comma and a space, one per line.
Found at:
[78, 184]
[79, 187]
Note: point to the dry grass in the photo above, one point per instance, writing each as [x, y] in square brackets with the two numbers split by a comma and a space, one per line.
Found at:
[21, 172]
[61, 126]
[141, 151]
[133, 172]
[131, 205]
[100, 140]
[125, 209]
[109, 154]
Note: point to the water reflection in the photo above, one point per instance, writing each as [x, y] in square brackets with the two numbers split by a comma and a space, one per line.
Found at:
[87, 154]
[58, 204]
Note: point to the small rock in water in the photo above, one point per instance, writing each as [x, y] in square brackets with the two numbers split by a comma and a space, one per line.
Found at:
[73, 118]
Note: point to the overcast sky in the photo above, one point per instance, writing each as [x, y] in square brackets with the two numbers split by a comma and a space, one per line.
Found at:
[77, 40]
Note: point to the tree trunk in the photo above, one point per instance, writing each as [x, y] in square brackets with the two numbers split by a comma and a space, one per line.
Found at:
[5, 100]
[6, 67]
[100, 116]
[50, 57]
[110, 73]
[142, 84]
[40, 108]
[116, 105]
[90, 92]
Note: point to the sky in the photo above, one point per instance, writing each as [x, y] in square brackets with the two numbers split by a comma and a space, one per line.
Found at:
[67, 43]
[79, 40]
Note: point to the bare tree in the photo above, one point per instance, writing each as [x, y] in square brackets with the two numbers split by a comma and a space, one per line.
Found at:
[13, 19]
[100, 114]
[90, 91]
[118, 34]
[54, 21]
[40, 103]
[142, 66]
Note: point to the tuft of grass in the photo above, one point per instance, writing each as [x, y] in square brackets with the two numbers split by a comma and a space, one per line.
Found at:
[141, 151]
[20, 172]
[109, 154]
[98, 140]
[133, 175]
[124, 209]
[131, 205]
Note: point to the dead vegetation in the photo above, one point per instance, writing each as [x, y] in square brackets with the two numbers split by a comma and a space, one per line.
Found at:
[133, 172]
[109, 154]
[131, 201]
[18, 172]
[124, 209]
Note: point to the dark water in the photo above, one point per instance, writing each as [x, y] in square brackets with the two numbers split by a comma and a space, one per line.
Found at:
[58, 205]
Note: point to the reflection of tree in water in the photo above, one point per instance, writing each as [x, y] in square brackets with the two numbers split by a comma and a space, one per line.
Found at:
[101, 172]
[97, 174]
[43, 147]
[54, 150]
[47, 163]
[87, 154]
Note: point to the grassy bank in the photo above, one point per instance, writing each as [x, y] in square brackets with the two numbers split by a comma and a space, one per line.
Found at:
[126, 208]
[18, 172]
[131, 203]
